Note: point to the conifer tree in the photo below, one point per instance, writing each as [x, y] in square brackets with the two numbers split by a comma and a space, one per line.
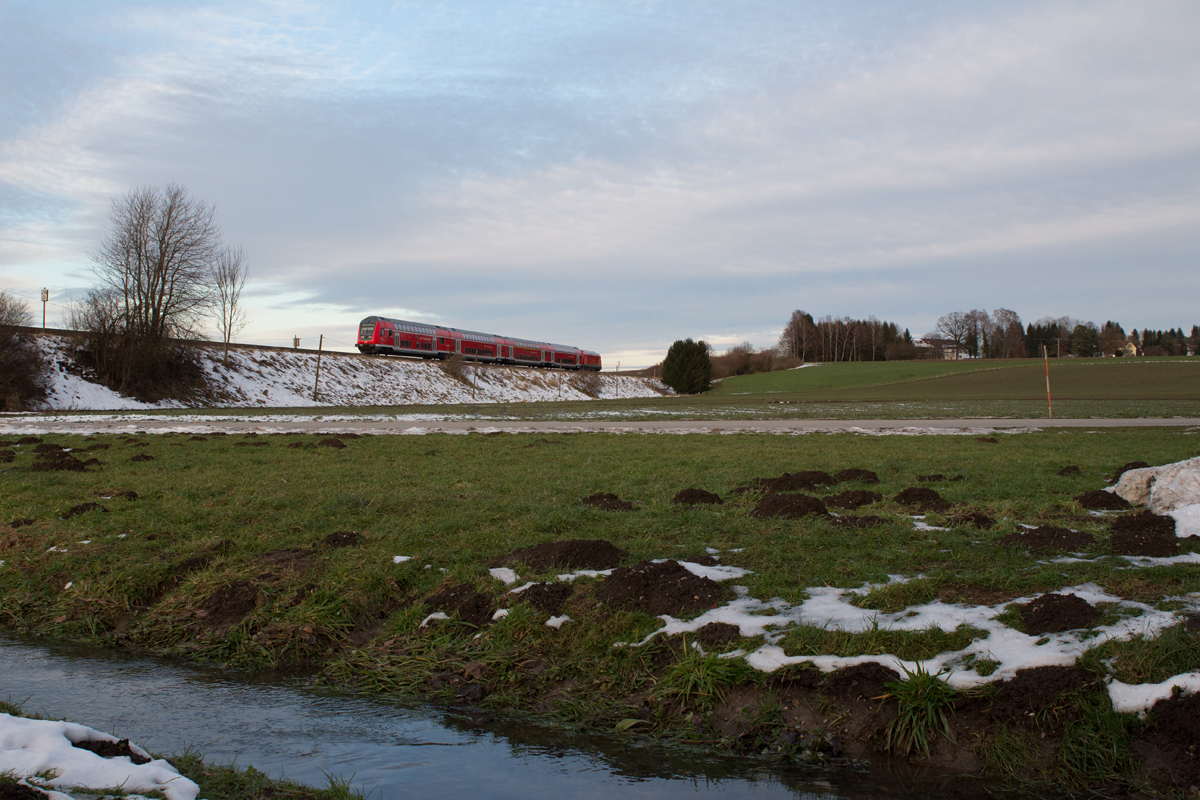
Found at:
[687, 368]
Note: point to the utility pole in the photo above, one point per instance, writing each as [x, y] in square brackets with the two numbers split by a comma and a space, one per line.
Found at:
[320, 344]
[45, 299]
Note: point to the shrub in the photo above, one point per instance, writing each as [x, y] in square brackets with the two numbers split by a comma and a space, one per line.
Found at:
[22, 363]
[590, 383]
[687, 368]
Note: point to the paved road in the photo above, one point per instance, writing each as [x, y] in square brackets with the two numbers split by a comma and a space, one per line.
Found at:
[306, 423]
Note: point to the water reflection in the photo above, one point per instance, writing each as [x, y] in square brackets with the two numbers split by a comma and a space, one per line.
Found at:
[394, 750]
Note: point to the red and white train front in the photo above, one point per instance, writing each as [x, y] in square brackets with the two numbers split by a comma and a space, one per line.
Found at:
[383, 336]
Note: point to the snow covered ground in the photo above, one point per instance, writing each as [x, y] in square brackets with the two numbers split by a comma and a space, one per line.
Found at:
[285, 379]
[44, 754]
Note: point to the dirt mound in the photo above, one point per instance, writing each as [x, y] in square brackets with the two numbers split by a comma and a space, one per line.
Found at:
[865, 521]
[975, 519]
[96, 447]
[855, 474]
[607, 501]
[24, 440]
[19, 791]
[987, 439]
[347, 436]
[715, 634]
[789, 506]
[852, 499]
[464, 600]
[106, 749]
[289, 558]
[336, 444]
[57, 461]
[1121, 470]
[693, 497]
[1174, 739]
[1071, 469]
[20, 522]
[197, 438]
[1100, 500]
[922, 498]
[341, 539]
[1049, 537]
[7, 456]
[295, 444]
[116, 494]
[570, 553]
[547, 597]
[861, 681]
[934, 478]
[47, 447]
[1054, 613]
[83, 508]
[1144, 534]
[142, 457]
[1038, 689]
[229, 603]
[662, 588]
[973, 594]
[797, 481]
[256, 443]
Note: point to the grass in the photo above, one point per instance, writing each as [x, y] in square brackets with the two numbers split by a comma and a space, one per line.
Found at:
[216, 514]
[1025, 379]
[925, 703]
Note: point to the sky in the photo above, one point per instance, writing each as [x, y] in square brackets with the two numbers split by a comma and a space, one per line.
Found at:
[617, 175]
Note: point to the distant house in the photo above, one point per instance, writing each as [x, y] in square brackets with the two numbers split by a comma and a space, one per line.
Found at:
[934, 349]
[1130, 349]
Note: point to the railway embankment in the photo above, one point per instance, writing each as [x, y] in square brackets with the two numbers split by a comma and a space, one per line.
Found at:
[279, 378]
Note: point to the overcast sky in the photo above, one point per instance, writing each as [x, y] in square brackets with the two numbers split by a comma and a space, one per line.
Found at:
[617, 175]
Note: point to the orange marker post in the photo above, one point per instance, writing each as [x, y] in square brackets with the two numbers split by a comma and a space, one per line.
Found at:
[1049, 405]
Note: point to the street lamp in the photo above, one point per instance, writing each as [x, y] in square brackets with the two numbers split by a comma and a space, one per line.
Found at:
[45, 299]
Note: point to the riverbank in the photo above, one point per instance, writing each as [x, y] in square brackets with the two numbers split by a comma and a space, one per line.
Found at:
[496, 571]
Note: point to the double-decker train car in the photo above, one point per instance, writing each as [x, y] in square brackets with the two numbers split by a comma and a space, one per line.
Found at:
[383, 336]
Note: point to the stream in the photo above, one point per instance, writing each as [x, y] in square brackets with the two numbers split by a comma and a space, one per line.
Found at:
[395, 750]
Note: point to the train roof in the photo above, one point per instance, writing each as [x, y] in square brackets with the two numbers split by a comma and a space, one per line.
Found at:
[489, 336]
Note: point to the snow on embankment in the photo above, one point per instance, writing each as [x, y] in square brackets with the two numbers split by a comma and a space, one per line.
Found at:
[284, 378]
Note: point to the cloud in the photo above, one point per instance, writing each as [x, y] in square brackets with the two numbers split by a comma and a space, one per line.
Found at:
[692, 168]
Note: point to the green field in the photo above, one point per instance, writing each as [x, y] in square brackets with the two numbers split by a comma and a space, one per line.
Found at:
[1015, 379]
[244, 519]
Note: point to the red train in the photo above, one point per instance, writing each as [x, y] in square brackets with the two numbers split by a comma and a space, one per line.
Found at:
[400, 337]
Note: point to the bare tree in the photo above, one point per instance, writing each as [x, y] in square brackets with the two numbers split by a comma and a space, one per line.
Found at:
[155, 273]
[14, 312]
[1008, 333]
[957, 326]
[229, 277]
[798, 335]
[158, 258]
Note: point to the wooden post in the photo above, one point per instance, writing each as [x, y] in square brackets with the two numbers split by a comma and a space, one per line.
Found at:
[320, 344]
[1049, 405]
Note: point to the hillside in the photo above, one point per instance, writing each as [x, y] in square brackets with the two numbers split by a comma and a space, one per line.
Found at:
[279, 378]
